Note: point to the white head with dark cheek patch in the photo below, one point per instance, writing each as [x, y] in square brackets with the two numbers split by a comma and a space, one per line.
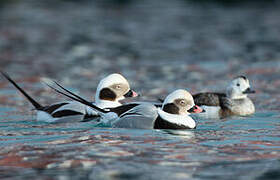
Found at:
[113, 88]
[175, 110]
[179, 102]
[239, 88]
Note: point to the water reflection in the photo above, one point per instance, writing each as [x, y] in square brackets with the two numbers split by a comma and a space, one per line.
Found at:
[188, 134]
[57, 147]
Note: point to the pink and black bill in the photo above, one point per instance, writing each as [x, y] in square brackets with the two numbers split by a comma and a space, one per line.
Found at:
[196, 109]
[131, 93]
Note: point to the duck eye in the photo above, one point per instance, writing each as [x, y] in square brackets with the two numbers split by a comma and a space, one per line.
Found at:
[237, 84]
[118, 86]
[182, 102]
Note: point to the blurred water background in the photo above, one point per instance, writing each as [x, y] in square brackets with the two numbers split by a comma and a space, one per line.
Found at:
[159, 45]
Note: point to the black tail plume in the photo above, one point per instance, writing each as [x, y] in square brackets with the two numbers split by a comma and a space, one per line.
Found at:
[33, 102]
[75, 97]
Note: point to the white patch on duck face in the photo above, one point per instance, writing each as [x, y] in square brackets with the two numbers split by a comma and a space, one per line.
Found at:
[184, 120]
[120, 89]
[184, 105]
[180, 94]
[236, 88]
[109, 81]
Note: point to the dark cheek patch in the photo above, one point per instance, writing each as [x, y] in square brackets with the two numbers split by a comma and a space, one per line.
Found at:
[171, 108]
[107, 94]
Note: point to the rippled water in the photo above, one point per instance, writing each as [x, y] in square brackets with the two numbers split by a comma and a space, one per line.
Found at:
[159, 46]
[238, 147]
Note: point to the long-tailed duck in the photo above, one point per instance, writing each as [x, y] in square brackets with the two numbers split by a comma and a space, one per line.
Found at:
[173, 114]
[110, 90]
[233, 102]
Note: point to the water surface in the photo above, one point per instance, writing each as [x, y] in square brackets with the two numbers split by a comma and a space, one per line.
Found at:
[159, 46]
[237, 147]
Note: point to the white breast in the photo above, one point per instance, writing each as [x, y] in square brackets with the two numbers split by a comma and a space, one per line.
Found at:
[184, 120]
[246, 107]
[107, 104]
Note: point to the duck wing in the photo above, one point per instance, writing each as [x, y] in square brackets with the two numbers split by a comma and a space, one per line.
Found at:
[142, 116]
[209, 99]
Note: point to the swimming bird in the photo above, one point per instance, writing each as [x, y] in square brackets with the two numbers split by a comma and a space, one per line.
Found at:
[233, 102]
[172, 114]
[110, 91]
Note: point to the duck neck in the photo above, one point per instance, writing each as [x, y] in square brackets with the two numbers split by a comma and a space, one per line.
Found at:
[233, 95]
[107, 104]
[173, 121]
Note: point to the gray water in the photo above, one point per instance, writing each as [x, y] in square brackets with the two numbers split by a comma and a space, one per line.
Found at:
[159, 46]
[233, 148]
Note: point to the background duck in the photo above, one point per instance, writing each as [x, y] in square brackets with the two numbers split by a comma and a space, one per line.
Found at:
[233, 102]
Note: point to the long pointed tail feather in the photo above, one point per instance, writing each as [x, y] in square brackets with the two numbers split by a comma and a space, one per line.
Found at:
[75, 97]
[32, 101]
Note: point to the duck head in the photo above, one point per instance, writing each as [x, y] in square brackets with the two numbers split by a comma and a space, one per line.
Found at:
[180, 102]
[113, 88]
[239, 88]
